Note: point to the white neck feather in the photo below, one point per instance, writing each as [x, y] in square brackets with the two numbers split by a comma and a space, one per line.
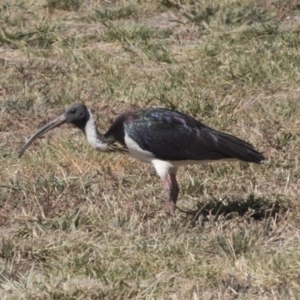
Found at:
[93, 136]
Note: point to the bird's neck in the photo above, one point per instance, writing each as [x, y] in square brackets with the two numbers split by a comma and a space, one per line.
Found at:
[95, 139]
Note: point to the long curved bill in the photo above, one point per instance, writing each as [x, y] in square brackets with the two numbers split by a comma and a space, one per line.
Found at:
[51, 125]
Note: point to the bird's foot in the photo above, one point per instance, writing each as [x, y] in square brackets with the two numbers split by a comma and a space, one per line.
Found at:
[171, 206]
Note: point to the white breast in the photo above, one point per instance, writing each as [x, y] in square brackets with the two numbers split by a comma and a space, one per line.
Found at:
[136, 151]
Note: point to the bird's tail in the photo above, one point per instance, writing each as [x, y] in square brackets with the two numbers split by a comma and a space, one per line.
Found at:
[233, 147]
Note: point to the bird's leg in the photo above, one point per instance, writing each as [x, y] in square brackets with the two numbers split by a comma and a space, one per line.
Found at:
[167, 189]
[171, 191]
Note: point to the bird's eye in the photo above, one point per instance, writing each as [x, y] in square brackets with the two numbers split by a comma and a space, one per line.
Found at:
[73, 111]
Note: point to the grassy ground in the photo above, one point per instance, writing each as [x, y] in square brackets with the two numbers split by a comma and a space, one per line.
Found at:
[79, 224]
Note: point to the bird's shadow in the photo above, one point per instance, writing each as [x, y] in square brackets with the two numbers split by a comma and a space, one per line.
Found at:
[256, 208]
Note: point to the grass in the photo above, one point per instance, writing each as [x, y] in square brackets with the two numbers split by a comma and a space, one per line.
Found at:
[79, 224]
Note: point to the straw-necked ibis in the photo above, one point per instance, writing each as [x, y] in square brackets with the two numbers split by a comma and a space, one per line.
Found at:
[165, 138]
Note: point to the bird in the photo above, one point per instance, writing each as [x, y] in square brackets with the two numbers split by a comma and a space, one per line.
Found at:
[165, 138]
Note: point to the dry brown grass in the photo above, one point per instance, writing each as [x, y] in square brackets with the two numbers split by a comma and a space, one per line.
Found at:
[78, 224]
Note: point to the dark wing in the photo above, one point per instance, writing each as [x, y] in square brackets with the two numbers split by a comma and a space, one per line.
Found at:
[171, 135]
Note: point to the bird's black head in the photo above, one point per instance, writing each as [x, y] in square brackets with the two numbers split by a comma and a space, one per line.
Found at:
[77, 114]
